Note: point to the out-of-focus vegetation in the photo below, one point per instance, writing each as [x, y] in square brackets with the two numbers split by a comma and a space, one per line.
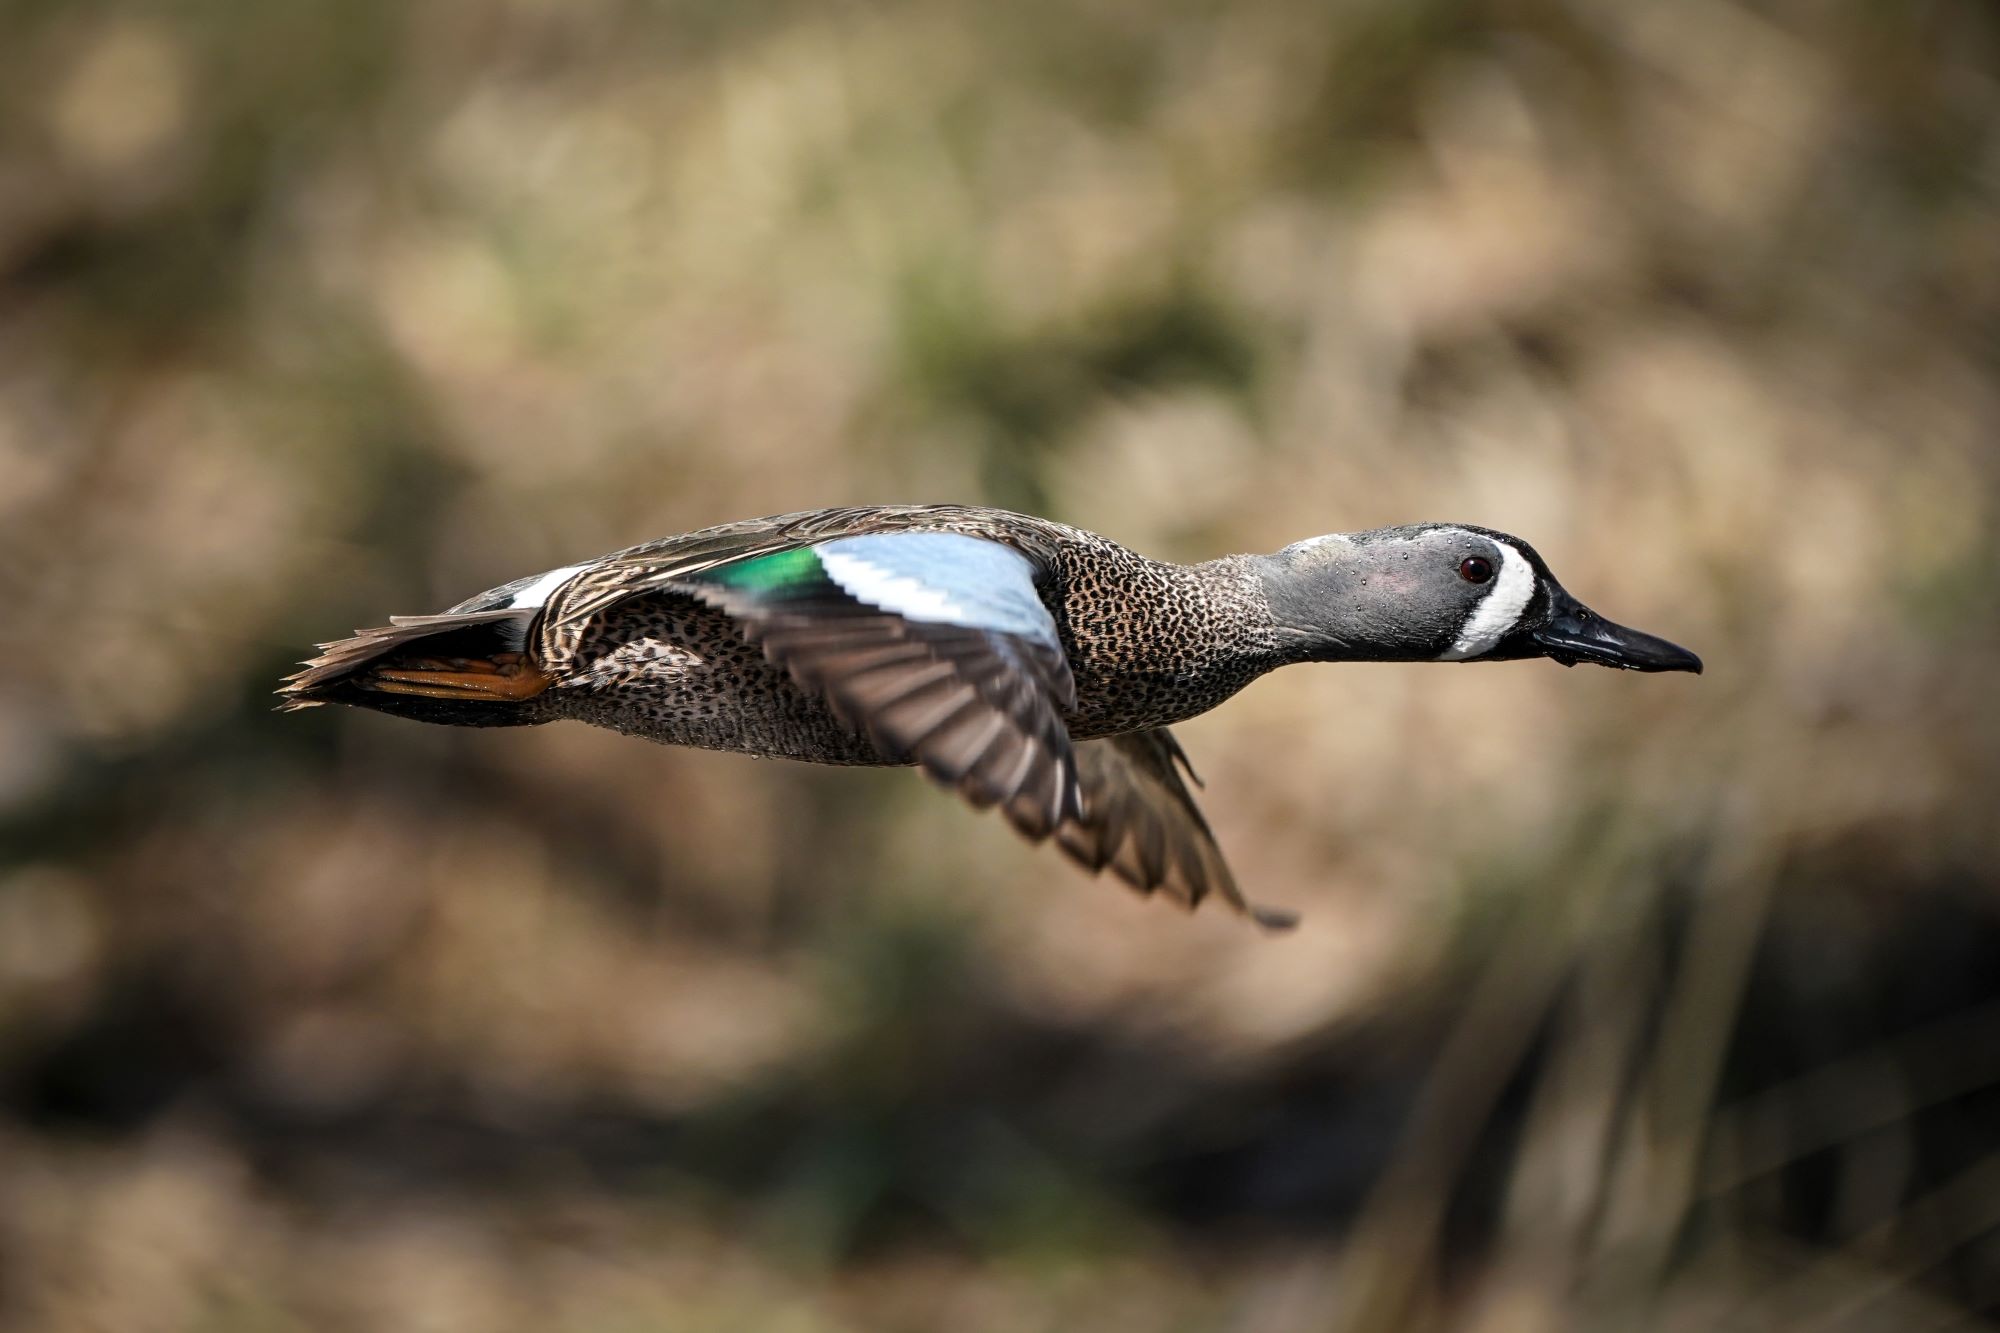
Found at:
[1620, 1001]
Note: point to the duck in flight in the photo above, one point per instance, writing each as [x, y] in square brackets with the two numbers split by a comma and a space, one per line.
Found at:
[1026, 664]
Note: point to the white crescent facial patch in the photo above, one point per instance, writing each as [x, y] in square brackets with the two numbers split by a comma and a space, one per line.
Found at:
[1494, 618]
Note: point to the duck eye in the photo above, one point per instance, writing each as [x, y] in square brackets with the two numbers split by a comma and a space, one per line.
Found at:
[1475, 569]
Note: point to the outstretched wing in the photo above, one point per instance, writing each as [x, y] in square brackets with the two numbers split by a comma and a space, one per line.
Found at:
[1139, 819]
[674, 563]
[935, 644]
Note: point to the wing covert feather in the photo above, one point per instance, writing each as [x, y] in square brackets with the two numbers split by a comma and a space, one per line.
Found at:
[936, 645]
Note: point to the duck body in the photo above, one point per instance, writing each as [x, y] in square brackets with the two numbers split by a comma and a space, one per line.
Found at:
[1028, 664]
[1147, 644]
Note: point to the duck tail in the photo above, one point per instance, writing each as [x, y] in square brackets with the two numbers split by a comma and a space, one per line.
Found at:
[468, 668]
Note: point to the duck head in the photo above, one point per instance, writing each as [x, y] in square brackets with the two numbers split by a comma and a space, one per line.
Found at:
[1446, 593]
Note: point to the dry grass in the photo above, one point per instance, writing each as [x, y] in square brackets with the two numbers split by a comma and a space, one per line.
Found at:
[1620, 1001]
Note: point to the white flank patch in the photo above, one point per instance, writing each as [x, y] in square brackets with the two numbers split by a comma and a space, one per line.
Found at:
[1499, 610]
[869, 582]
[538, 592]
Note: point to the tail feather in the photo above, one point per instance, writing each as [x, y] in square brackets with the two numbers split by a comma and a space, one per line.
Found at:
[465, 667]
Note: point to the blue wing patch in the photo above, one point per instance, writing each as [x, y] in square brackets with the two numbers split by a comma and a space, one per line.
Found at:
[937, 645]
[942, 578]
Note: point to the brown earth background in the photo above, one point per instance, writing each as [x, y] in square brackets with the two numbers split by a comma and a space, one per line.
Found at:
[1621, 1002]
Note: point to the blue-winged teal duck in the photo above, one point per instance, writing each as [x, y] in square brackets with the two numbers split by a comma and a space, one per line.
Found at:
[1023, 663]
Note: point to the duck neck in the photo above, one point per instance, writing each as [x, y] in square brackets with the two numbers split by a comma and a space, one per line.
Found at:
[1328, 604]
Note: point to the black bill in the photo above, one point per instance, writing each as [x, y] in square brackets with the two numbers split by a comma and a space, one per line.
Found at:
[1575, 633]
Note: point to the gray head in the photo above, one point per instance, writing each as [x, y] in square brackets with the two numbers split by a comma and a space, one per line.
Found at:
[1447, 593]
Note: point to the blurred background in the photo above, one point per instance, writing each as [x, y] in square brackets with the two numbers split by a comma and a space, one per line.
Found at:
[1620, 1002]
